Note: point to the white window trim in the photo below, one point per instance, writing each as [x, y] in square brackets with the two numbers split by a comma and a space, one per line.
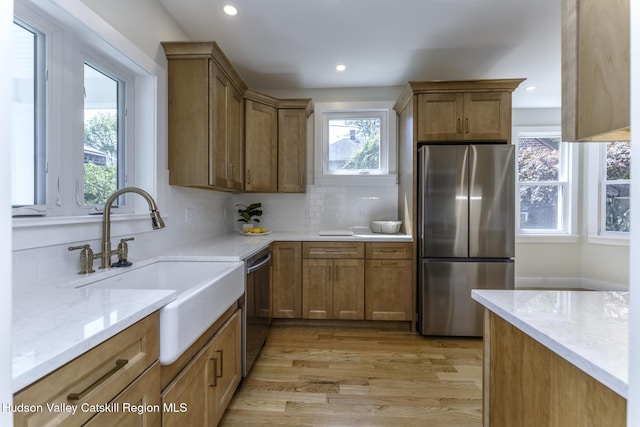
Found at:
[149, 131]
[570, 200]
[321, 152]
[595, 153]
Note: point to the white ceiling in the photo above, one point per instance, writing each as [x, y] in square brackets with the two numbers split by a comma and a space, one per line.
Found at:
[296, 44]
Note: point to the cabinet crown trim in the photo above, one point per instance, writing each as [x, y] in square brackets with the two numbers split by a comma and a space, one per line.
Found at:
[201, 50]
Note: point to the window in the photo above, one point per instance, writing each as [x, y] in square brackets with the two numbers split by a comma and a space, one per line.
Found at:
[543, 169]
[64, 165]
[28, 150]
[615, 188]
[354, 142]
[103, 135]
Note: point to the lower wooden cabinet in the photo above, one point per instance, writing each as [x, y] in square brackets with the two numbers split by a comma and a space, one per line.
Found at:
[286, 280]
[105, 374]
[527, 384]
[343, 280]
[138, 405]
[333, 289]
[389, 279]
[201, 392]
[389, 289]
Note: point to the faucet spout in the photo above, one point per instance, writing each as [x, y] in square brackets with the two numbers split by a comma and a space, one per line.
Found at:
[156, 221]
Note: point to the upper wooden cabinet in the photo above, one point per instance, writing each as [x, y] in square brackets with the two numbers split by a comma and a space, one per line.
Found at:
[206, 117]
[275, 143]
[292, 145]
[595, 70]
[473, 110]
[261, 147]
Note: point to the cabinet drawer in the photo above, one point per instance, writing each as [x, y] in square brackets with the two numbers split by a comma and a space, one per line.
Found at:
[332, 250]
[138, 405]
[389, 250]
[94, 378]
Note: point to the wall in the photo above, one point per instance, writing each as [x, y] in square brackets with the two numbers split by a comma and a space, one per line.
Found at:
[6, 27]
[41, 255]
[570, 261]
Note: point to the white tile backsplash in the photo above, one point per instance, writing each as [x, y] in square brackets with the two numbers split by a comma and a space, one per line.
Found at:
[192, 215]
[324, 206]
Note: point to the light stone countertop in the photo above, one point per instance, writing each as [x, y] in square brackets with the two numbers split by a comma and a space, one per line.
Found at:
[587, 328]
[52, 326]
[53, 323]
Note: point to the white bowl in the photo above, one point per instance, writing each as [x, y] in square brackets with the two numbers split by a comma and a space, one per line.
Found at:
[385, 226]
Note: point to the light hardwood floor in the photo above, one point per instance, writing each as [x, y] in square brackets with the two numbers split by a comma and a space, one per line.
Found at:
[310, 376]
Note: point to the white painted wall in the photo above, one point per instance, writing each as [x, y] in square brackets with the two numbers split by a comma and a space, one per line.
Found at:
[144, 22]
[633, 402]
[571, 262]
[6, 27]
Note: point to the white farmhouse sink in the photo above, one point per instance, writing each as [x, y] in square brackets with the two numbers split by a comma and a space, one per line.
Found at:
[205, 290]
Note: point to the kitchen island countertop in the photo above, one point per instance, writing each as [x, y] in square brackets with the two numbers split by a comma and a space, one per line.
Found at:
[588, 329]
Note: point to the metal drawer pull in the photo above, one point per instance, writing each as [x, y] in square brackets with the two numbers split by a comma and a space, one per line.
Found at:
[214, 373]
[221, 359]
[72, 397]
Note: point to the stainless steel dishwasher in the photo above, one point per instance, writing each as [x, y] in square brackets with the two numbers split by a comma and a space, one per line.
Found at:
[256, 307]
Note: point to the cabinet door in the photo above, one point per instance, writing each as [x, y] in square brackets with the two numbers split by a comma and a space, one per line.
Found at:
[218, 127]
[292, 150]
[195, 387]
[317, 288]
[348, 289]
[143, 393]
[235, 140]
[286, 281]
[389, 290]
[228, 354]
[596, 72]
[487, 116]
[440, 116]
[208, 382]
[188, 122]
[261, 150]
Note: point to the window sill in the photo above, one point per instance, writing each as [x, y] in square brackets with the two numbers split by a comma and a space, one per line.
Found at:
[35, 232]
[547, 238]
[608, 240]
[356, 180]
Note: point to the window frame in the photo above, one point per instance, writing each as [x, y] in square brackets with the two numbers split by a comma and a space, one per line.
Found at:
[567, 184]
[324, 111]
[126, 146]
[148, 129]
[40, 112]
[596, 160]
[65, 55]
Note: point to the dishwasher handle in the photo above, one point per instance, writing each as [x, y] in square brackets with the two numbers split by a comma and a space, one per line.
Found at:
[259, 264]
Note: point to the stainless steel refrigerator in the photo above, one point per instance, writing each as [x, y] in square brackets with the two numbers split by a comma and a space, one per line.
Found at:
[466, 208]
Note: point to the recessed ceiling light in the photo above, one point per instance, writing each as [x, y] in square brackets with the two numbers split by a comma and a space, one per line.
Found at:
[230, 10]
[530, 88]
[341, 67]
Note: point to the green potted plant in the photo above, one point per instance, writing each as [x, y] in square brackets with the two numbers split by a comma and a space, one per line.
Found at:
[249, 214]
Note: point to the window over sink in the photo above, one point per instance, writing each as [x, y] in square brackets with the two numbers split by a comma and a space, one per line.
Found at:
[355, 143]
